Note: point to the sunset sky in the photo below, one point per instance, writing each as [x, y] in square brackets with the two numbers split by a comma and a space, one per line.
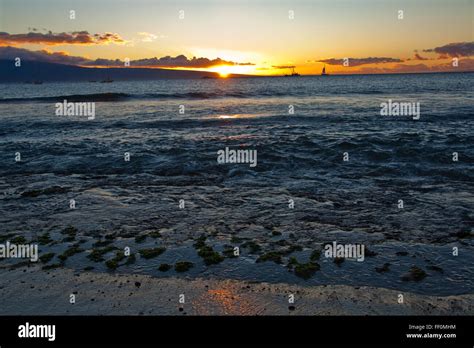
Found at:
[249, 37]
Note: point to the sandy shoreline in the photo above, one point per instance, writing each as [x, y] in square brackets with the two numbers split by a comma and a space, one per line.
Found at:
[32, 291]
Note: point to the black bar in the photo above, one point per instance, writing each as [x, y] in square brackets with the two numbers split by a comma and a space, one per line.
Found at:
[289, 330]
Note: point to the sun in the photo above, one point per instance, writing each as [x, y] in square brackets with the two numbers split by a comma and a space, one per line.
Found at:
[229, 70]
[223, 70]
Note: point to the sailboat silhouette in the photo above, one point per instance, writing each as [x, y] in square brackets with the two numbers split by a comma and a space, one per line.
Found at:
[324, 73]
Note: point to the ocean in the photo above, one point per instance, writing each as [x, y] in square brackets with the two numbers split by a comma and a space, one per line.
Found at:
[144, 173]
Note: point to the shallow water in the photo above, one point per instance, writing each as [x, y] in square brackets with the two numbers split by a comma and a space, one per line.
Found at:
[300, 157]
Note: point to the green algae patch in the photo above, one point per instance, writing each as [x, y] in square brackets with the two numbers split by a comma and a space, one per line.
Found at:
[152, 252]
[45, 258]
[164, 267]
[210, 256]
[274, 256]
[183, 266]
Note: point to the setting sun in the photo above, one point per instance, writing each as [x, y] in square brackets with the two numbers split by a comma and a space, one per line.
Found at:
[226, 70]
[223, 70]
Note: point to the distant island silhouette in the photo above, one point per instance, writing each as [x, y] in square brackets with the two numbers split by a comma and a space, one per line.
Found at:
[31, 71]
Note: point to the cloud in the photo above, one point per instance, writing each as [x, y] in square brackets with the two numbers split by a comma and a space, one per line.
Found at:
[147, 37]
[399, 68]
[418, 57]
[179, 61]
[456, 49]
[361, 61]
[283, 66]
[466, 64]
[50, 38]
[182, 61]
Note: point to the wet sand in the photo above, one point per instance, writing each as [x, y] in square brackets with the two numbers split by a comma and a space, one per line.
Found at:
[32, 291]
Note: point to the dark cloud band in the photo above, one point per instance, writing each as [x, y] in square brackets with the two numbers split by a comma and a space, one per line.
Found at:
[50, 38]
[456, 49]
[360, 61]
[180, 61]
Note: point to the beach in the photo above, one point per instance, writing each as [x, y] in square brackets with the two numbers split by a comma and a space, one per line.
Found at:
[28, 289]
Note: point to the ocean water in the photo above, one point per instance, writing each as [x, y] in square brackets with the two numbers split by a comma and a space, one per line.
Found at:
[300, 157]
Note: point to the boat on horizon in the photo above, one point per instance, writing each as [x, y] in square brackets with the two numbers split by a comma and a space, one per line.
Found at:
[324, 73]
[293, 73]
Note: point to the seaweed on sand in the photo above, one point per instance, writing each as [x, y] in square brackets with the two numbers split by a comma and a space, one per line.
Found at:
[44, 239]
[229, 252]
[209, 255]
[97, 255]
[415, 274]
[315, 255]
[140, 238]
[114, 263]
[70, 252]
[154, 234]
[200, 241]
[70, 231]
[303, 270]
[45, 258]
[164, 267]
[183, 266]
[253, 247]
[152, 252]
[306, 270]
[274, 256]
